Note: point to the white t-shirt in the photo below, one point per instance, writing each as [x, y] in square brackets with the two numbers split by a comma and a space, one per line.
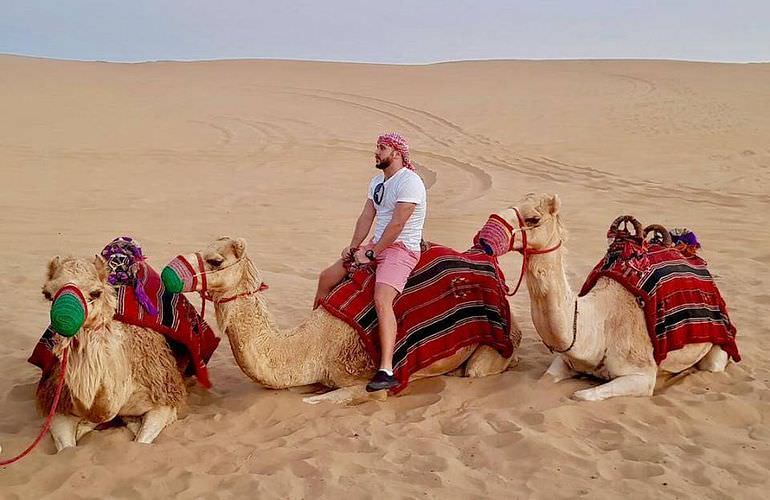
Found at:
[404, 186]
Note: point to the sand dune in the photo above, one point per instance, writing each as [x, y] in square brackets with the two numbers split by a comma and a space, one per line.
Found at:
[176, 154]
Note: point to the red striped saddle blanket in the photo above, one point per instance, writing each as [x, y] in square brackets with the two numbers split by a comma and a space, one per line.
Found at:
[191, 339]
[681, 302]
[450, 301]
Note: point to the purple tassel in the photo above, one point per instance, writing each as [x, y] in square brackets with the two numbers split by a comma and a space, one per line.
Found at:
[143, 299]
[686, 237]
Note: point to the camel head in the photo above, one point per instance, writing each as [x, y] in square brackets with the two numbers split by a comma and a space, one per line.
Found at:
[79, 293]
[537, 215]
[218, 269]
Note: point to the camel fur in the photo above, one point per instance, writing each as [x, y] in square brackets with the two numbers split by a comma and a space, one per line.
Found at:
[321, 350]
[611, 339]
[114, 369]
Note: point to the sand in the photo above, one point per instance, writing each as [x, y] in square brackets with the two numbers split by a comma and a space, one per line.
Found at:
[177, 154]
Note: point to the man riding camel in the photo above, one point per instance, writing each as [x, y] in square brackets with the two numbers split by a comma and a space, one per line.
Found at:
[397, 199]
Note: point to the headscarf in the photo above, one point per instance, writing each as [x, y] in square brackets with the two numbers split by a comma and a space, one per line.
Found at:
[395, 141]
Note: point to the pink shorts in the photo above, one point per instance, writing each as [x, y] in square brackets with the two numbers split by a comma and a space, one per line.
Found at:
[394, 264]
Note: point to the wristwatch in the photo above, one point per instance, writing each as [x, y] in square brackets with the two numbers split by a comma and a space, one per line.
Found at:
[369, 254]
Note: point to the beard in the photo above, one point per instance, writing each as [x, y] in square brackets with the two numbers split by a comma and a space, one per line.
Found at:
[383, 163]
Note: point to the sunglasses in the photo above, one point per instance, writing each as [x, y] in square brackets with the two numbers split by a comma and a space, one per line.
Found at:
[379, 193]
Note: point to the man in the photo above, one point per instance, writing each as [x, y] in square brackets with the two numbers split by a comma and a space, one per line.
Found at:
[397, 200]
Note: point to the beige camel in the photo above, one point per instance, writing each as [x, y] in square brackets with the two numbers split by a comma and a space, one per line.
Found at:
[610, 336]
[321, 350]
[114, 369]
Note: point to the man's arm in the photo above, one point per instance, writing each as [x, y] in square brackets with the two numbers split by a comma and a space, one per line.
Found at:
[392, 231]
[363, 224]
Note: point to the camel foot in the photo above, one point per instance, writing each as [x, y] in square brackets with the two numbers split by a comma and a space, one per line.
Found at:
[715, 361]
[346, 396]
[134, 424]
[558, 371]
[153, 422]
[64, 431]
[486, 361]
[84, 427]
[637, 384]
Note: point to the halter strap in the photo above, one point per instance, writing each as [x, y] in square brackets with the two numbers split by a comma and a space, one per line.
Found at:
[204, 292]
[262, 287]
[525, 251]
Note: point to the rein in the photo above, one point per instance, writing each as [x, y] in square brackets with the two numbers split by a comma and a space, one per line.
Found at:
[574, 333]
[204, 292]
[49, 418]
[524, 251]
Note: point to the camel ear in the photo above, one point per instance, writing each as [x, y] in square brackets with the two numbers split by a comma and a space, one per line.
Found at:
[554, 204]
[101, 268]
[53, 267]
[239, 247]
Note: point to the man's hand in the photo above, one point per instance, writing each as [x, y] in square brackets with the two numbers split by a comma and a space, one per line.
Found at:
[360, 257]
[347, 252]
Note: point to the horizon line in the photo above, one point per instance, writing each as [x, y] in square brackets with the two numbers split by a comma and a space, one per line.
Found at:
[342, 61]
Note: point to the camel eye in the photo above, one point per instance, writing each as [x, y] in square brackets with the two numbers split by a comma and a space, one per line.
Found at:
[47, 295]
[531, 221]
[215, 262]
[95, 294]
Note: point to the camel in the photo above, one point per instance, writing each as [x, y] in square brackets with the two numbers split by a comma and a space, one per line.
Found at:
[114, 369]
[321, 350]
[609, 338]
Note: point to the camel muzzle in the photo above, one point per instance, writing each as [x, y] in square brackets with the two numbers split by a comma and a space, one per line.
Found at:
[179, 276]
[69, 311]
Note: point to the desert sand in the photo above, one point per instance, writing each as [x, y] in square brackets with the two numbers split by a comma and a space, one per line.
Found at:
[278, 152]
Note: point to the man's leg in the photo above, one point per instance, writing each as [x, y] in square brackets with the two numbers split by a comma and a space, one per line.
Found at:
[394, 265]
[328, 279]
[384, 295]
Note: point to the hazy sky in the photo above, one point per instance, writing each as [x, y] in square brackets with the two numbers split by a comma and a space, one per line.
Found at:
[399, 31]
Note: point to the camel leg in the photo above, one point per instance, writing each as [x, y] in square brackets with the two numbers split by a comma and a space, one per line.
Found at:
[635, 384]
[84, 427]
[134, 424]
[558, 371]
[715, 361]
[64, 430]
[153, 422]
[486, 361]
[346, 395]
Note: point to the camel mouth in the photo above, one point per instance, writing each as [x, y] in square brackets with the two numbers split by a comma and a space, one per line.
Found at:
[179, 276]
[69, 311]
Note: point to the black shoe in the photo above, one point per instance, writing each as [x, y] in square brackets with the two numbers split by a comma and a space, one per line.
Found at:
[380, 381]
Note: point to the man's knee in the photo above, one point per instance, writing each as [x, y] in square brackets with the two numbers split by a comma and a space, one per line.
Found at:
[326, 274]
[332, 273]
[384, 295]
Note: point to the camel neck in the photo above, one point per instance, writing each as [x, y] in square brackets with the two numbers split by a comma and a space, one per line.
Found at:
[551, 298]
[95, 348]
[262, 352]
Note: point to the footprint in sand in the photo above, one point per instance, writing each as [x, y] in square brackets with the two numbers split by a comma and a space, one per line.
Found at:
[613, 469]
[302, 469]
[427, 463]
[647, 452]
[501, 425]
[607, 439]
[533, 419]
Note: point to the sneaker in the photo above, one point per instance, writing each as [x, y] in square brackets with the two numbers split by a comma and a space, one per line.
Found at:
[380, 381]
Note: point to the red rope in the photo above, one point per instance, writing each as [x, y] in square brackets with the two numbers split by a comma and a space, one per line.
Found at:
[49, 419]
[204, 285]
[525, 251]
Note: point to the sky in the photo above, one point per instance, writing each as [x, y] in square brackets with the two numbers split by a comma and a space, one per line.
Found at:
[395, 31]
